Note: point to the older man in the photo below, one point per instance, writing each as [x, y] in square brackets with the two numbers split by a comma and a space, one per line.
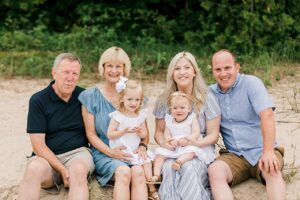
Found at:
[57, 134]
[248, 131]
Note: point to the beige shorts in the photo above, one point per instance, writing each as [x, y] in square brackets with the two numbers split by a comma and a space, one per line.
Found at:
[241, 169]
[66, 158]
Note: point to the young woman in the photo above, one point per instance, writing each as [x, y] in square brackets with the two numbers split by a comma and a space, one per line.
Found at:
[191, 181]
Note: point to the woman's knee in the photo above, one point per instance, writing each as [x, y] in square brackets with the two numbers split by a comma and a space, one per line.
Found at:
[123, 174]
[138, 172]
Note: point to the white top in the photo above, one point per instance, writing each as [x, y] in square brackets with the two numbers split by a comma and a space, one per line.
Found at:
[129, 140]
[182, 129]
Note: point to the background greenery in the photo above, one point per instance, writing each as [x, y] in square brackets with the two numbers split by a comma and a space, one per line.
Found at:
[265, 34]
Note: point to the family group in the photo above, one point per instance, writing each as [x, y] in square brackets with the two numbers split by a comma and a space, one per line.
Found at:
[103, 130]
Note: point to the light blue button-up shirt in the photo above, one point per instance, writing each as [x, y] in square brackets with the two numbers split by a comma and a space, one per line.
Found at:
[240, 123]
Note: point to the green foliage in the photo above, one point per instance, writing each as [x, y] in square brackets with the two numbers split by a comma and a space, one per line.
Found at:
[32, 33]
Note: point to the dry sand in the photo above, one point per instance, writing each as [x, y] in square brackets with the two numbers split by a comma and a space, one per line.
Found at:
[15, 144]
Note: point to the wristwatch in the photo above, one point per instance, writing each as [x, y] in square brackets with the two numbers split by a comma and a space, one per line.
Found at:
[144, 145]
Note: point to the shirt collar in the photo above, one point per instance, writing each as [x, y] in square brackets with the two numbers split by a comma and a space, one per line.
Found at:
[53, 96]
[233, 86]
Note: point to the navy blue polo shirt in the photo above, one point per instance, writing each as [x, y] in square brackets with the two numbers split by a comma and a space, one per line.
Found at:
[61, 121]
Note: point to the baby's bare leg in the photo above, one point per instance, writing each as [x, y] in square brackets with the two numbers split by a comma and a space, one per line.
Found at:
[158, 163]
[149, 174]
[182, 159]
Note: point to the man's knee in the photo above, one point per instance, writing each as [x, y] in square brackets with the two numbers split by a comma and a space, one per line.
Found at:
[272, 178]
[37, 167]
[219, 171]
[79, 171]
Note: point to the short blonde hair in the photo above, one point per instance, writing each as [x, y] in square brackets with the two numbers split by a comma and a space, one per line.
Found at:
[65, 56]
[116, 53]
[131, 84]
[200, 89]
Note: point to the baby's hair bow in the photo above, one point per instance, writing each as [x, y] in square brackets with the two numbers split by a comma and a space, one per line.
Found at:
[121, 84]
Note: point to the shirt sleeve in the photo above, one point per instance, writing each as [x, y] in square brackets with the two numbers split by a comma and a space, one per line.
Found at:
[258, 95]
[211, 106]
[36, 119]
[88, 99]
[160, 111]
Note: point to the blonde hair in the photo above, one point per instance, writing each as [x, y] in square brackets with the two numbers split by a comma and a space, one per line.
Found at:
[131, 84]
[116, 53]
[199, 91]
[179, 94]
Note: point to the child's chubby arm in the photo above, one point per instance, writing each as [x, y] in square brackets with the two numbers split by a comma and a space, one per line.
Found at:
[194, 136]
[142, 130]
[113, 133]
[170, 142]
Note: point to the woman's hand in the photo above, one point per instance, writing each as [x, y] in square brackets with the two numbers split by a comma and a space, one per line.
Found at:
[117, 153]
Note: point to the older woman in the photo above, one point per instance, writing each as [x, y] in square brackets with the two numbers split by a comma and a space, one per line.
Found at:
[97, 103]
[191, 181]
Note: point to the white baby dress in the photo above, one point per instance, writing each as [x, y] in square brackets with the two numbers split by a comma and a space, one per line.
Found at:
[180, 130]
[130, 140]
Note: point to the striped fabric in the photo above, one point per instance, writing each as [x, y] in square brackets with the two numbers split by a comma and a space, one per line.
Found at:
[190, 183]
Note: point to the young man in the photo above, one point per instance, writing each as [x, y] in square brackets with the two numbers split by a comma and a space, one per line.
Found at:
[57, 134]
[248, 131]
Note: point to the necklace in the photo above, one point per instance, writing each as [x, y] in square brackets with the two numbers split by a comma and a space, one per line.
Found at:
[181, 120]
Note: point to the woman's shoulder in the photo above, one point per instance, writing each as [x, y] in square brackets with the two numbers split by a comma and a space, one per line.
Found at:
[92, 93]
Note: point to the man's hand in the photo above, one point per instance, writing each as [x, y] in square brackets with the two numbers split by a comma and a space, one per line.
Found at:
[269, 162]
[65, 176]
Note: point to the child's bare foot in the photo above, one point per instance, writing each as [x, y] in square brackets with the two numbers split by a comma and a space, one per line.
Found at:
[176, 165]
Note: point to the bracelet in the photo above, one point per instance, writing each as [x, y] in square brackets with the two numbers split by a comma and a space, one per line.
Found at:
[144, 145]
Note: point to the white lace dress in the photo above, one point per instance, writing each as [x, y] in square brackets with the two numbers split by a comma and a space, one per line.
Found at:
[130, 140]
[180, 130]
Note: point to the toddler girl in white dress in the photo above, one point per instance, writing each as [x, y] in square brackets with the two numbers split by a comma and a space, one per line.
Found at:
[128, 126]
[181, 127]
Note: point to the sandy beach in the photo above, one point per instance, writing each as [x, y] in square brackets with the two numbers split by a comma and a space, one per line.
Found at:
[15, 144]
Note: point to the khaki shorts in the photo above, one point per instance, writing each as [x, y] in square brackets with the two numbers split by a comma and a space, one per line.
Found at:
[66, 158]
[241, 169]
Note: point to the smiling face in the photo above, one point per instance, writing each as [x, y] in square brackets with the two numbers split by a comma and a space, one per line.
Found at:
[113, 69]
[66, 75]
[183, 73]
[225, 69]
[179, 107]
[132, 100]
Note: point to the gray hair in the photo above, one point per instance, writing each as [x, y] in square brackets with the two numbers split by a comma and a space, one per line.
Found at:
[67, 56]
